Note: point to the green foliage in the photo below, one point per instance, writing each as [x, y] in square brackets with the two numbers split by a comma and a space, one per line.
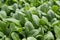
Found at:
[29, 19]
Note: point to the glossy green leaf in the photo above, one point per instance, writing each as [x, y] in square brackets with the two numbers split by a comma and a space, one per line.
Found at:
[15, 36]
[36, 20]
[49, 36]
[31, 38]
[29, 25]
[13, 21]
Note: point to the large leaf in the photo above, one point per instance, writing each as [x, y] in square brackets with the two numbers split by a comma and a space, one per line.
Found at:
[29, 25]
[31, 38]
[34, 32]
[49, 36]
[57, 31]
[3, 14]
[3, 26]
[29, 15]
[13, 21]
[19, 17]
[35, 20]
[1, 36]
[13, 27]
[15, 36]
[7, 38]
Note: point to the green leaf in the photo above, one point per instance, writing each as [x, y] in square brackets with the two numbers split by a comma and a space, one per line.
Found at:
[5, 8]
[29, 15]
[31, 38]
[3, 26]
[57, 31]
[7, 38]
[34, 32]
[36, 20]
[13, 21]
[44, 7]
[50, 15]
[55, 8]
[13, 27]
[58, 3]
[57, 39]
[14, 0]
[27, 6]
[49, 36]
[15, 36]
[44, 21]
[3, 14]
[24, 39]
[29, 26]
[19, 17]
[1, 34]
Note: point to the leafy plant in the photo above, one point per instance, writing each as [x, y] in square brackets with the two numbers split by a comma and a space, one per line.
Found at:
[29, 19]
